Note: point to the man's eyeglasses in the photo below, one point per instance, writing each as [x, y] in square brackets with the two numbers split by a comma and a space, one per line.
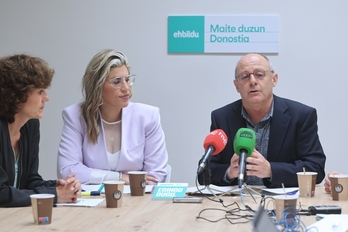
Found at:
[258, 73]
[116, 82]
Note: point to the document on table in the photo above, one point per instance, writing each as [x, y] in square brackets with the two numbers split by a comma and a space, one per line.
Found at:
[82, 202]
[330, 222]
[278, 191]
[210, 190]
[234, 190]
[126, 188]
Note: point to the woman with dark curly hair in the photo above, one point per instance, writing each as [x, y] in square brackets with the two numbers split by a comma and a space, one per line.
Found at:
[23, 83]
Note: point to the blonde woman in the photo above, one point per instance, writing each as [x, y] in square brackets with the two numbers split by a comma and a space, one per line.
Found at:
[106, 135]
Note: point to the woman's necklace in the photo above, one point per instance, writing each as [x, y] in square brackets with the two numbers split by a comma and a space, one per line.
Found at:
[111, 123]
[110, 132]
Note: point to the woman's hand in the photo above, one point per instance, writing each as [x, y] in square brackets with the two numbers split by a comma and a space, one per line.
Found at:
[327, 183]
[150, 180]
[125, 178]
[68, 190]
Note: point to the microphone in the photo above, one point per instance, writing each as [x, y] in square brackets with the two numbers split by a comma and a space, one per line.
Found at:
[244, 144]
[213, 144]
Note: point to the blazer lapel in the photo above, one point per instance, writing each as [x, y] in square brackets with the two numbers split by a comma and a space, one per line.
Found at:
[279, 127]
[238, 121]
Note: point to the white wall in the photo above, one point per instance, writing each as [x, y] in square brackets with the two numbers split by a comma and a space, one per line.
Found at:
[311, 64]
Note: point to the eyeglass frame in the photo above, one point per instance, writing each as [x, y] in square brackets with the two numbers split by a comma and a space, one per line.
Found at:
[130, 76]
[247, 77]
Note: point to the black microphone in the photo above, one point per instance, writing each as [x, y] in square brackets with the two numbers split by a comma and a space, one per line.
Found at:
[214, 143]
[244, 144]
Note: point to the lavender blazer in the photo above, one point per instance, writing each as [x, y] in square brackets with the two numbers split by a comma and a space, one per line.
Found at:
[142, 148]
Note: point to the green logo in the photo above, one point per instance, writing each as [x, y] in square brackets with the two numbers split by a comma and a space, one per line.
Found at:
[185, 34]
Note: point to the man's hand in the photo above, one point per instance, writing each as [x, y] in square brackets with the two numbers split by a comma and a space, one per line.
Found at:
[233, 170]
[258, 166]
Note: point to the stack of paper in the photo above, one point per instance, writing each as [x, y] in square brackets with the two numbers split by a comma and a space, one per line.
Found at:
[126, 188]
[330, 222]
[83, 202]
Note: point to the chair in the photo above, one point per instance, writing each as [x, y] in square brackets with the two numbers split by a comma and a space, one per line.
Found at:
[169, 172]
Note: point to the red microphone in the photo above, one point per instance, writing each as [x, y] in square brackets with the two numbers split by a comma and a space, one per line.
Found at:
[213, 144]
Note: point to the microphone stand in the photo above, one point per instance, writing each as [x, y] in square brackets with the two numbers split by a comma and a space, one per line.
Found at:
[204, 178]
[207, 187]
[249, 189]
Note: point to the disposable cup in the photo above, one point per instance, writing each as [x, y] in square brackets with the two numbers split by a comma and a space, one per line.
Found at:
[113, 193]
[42, 205]
[285, 206]
[306, 183]
[137, 182]
[339, 187]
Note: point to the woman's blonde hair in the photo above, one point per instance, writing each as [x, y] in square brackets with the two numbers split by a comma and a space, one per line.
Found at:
[92, 85]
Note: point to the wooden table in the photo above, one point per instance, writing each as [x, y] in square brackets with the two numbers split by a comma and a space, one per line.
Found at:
[146, 214]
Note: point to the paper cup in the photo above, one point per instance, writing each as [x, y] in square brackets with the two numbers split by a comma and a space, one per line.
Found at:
[339, 187]
[285, 205]
[306, 183]
[113, 193]
[42, 205]
[137, 183]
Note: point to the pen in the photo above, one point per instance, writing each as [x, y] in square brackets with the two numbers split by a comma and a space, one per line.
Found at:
[90, 193]
[101, 188]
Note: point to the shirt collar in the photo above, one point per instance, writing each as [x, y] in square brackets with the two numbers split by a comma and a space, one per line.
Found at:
[246, 116]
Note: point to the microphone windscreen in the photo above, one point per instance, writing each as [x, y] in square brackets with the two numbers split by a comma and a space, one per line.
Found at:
[245, 139]
[217, 138]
